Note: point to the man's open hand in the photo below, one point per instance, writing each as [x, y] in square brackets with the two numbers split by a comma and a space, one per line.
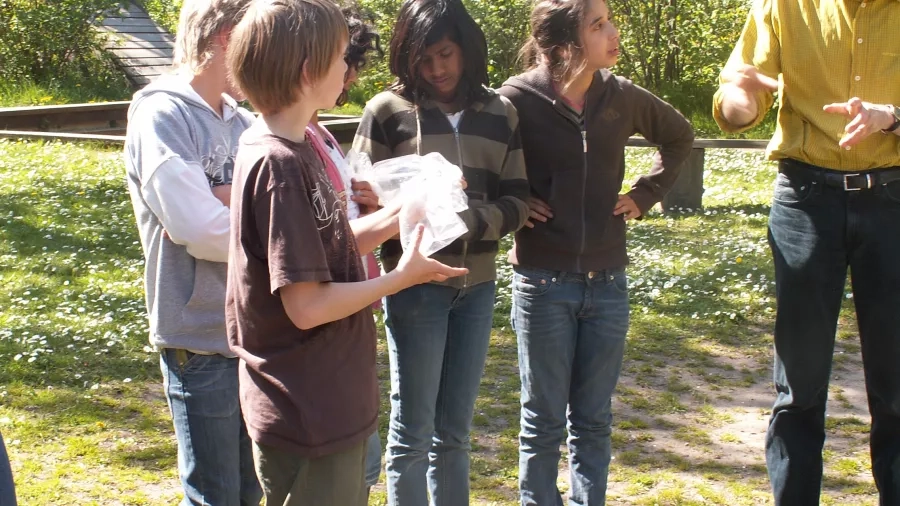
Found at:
[865, 119]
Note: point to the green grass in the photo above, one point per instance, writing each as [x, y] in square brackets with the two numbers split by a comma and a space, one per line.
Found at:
[65, 90]
[349, 109]
[81, 404]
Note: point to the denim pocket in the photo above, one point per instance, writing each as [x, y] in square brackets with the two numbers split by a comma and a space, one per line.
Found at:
[194, 361]
[892, 191]
[620, 281]
[533, 282]
[791, 192]
[197, 363]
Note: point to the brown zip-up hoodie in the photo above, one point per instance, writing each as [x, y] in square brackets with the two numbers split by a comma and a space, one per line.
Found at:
[579, 173]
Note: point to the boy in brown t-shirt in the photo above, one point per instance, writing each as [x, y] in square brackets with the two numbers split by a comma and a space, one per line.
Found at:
[298, 300]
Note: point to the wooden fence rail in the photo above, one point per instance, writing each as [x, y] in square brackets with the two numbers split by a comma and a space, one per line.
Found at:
[105, 122]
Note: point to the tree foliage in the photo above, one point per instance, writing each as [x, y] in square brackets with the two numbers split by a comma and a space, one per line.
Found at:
[676, 48]
[44, 39]
[164, 12]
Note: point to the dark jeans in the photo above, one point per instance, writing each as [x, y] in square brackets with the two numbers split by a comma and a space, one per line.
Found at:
[7, 489]
[817, 231]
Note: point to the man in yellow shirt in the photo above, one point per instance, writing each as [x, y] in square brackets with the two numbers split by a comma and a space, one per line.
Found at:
[836, 67]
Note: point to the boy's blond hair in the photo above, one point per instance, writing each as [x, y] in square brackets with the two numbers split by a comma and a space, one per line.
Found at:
[199, 22]
[273, 42]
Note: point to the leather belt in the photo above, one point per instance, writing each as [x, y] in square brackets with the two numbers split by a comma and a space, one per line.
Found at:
[847, 181]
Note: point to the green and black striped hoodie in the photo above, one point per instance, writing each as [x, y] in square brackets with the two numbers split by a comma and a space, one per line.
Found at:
[487, 147]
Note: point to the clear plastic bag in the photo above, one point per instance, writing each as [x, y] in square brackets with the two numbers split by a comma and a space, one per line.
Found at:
[432, 193]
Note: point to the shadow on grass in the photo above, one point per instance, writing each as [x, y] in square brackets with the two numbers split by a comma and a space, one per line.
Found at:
[128, 426]
[88, 211]
[73, 303]
[83, 365]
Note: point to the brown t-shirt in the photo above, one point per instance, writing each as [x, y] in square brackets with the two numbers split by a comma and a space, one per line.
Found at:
[312, 392]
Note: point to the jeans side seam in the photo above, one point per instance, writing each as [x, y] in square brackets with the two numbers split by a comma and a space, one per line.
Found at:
[442, 410]
[186, 439]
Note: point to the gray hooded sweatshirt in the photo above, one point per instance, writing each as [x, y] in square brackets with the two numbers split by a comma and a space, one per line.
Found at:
[177, 149]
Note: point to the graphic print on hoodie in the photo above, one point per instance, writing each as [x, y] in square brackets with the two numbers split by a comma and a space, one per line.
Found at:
[218, 164]
[177, 148]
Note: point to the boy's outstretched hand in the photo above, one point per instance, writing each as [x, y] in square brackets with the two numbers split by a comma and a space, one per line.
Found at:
[415, 268]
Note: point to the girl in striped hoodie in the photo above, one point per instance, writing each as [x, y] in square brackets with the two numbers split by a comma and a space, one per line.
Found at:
[438, 333]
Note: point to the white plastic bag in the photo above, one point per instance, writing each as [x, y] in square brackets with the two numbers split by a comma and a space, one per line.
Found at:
[432, 193]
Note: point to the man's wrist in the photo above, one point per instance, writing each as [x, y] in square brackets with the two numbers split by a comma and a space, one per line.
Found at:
[893, 121]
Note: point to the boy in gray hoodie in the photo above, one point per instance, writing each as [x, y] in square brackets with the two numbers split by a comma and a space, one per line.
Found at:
[183, 132]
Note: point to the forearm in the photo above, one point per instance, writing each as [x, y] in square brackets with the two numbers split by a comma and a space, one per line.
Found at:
[180, 197]
[373, 229]
[491, 221]
[662, 125]
[651, 188]
[735, 117]
[736, 110]
[309, 305]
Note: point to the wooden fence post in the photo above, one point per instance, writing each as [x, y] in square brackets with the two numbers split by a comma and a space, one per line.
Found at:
[687, 193]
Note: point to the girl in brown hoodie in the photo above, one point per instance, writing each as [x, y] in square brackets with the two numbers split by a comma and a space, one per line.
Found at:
[570, 293]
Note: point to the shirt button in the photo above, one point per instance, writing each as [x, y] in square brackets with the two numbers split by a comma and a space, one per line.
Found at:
[857, 78]
[859, 40]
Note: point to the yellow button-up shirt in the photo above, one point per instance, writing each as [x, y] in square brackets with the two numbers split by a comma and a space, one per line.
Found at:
[825, 51]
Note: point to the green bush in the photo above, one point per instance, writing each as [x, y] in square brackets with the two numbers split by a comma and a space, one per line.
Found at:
[673, 48]
[50, 44]
[505, 26]
[164, 12]
[42, 38]
[677, 48]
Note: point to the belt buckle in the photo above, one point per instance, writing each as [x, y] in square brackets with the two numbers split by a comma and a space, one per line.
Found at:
[868, 182]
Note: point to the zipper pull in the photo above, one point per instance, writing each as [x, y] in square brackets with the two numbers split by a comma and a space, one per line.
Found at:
[584, 140]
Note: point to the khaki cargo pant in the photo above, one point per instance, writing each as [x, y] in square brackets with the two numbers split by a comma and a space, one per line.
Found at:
[291, 480]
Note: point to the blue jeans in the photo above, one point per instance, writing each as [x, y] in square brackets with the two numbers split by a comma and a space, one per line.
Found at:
[373, 459]
[815, 232]
[438, 338]
[571, 330]
[7, 488]
[215, 457]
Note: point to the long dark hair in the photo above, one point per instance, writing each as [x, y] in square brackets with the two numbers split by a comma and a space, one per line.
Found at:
[422, 23]
[556, 27]
[363, 39]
